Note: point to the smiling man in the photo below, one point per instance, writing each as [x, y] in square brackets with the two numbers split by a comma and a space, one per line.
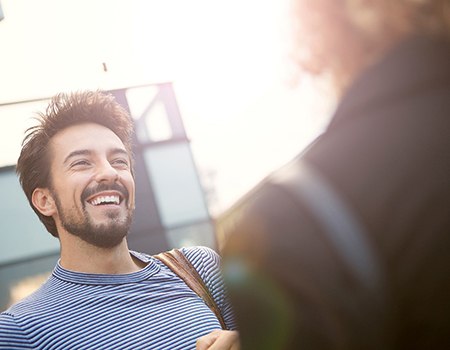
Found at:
[76, 169]
[104, 207]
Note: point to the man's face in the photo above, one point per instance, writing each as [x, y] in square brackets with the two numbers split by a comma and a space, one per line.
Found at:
[92, 184]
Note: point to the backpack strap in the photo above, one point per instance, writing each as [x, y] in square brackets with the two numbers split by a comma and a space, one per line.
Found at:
[183, 268]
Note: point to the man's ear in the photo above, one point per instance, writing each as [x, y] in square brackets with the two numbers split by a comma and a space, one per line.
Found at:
[43, 201]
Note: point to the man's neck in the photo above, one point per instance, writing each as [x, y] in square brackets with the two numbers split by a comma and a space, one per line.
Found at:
[77, 255]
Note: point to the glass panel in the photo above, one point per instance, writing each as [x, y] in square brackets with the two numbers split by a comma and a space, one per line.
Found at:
[140, 98]
[177, 189]
[22, 234]
[150, 113]
[21, 279]
[157, 123]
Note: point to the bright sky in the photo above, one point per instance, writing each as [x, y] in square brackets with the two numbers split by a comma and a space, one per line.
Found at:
[228, 61]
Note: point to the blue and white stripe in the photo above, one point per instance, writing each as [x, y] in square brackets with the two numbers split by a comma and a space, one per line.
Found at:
[149, 309]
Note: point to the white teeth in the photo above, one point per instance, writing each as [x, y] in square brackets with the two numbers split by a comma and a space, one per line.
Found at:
[105, 199]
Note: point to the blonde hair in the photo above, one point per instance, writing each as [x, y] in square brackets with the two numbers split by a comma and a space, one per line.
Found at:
[342, 37]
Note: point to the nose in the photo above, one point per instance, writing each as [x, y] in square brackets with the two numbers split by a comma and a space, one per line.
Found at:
[106, 173]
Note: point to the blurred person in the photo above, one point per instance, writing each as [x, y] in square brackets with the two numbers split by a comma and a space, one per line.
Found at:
[347, 246]
[76, 169]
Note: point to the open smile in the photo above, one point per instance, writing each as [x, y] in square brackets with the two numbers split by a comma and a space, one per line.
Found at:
[105, 199]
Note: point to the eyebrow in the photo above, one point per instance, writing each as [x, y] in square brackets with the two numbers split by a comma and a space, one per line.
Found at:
[81, 152]
[116, 151]
[86, 152]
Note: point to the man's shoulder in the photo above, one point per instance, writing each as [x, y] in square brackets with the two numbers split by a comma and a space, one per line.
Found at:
[31, 304]
[6, 320]
[204, 259]
[201, 255]
[11, 334]
[192, 253]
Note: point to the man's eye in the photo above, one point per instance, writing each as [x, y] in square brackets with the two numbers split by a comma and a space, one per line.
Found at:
[121, 162]
[80, 163]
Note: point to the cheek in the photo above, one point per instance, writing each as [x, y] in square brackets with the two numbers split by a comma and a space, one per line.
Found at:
[69, 192]
[127, 180]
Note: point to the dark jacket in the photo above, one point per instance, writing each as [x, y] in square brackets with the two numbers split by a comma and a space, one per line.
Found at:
[386, 154]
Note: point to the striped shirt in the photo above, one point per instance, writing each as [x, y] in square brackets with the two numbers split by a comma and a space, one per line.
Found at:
[149, 309]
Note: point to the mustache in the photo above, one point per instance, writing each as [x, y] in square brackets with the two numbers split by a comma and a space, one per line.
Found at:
[104, 187]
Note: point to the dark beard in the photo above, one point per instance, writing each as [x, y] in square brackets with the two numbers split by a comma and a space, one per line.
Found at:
[104, 235]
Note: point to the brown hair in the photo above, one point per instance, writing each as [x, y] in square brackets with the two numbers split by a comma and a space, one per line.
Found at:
[64, 110]
[339, 38]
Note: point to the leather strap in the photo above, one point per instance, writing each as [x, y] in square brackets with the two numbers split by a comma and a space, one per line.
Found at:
[183, 268]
